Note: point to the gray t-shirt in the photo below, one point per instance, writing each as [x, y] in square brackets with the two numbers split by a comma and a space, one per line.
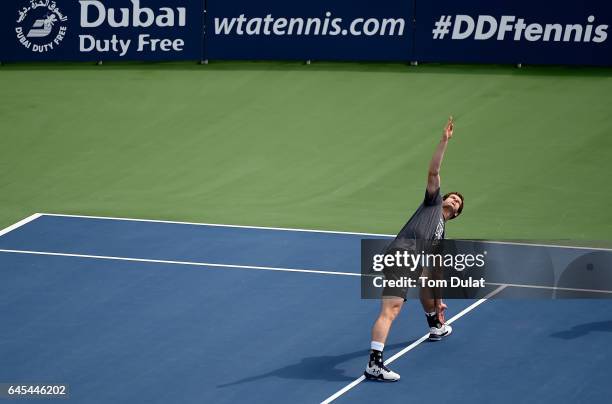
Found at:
[427, 223]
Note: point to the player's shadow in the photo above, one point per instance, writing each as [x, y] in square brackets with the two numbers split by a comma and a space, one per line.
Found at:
[317, 368]
[582, 330]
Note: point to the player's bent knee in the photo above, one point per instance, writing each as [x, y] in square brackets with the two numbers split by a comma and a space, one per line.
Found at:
[391, 309]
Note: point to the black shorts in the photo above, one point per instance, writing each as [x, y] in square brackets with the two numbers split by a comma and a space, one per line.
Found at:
[399, 274]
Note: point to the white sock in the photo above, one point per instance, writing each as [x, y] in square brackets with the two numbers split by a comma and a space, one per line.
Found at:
[377, 346]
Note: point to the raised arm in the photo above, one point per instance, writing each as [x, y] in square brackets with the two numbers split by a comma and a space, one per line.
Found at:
[433, 177]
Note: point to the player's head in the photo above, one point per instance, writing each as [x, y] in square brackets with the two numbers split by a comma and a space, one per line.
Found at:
[454, 202]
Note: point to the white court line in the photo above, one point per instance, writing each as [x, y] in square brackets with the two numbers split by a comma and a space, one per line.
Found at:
[266, 268]
[200, 264]
[413, 345]
[20, 223]
[518, 285]
[572, 247]
[307, 230]
[217, 225]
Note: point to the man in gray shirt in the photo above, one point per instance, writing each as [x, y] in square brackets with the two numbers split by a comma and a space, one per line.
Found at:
[426, 224]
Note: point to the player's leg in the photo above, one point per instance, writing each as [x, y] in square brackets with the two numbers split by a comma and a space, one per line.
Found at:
[389, 309]
[434, 312]
[376, 370]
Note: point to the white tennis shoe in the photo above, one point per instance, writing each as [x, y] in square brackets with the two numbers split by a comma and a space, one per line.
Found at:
[380, 372]
[437, 333]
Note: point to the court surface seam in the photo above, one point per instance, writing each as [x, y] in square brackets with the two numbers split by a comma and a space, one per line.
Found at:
[414, 344]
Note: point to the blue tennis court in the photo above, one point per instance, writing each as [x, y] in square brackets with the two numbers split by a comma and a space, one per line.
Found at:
[130, 311]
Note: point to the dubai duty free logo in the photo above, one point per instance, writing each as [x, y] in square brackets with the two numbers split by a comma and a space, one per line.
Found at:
[41, 26]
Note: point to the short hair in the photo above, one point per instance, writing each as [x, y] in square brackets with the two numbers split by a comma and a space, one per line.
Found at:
[460, 197]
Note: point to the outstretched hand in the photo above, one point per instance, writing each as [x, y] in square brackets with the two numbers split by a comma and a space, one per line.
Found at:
[448, 129]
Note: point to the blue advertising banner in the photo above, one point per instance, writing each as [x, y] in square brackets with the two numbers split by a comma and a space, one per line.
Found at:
[101, 30]
[314, 29]
[514, 31]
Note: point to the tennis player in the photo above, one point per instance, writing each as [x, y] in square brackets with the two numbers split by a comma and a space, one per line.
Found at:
[427, 223]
